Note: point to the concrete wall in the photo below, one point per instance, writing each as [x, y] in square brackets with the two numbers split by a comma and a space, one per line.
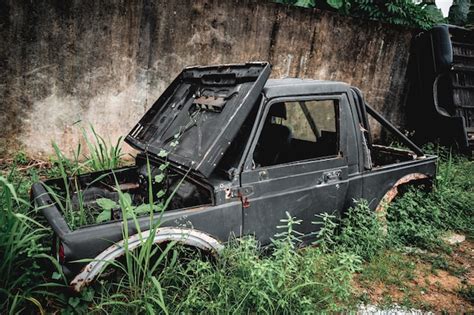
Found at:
[67, 63]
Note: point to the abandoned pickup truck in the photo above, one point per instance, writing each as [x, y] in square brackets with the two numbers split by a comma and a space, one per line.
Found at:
[249, 149]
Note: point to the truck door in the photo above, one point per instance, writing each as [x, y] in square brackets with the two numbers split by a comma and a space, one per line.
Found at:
[295, 164]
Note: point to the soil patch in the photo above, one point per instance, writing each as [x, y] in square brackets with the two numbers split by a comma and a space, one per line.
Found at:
[429, 288]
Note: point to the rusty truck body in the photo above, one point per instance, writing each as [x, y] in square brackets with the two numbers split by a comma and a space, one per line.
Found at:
[250, 149]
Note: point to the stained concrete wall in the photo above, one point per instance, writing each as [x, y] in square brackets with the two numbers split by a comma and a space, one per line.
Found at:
[105, 62]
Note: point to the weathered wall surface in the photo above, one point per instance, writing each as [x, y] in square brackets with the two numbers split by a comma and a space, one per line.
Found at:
[105, 62]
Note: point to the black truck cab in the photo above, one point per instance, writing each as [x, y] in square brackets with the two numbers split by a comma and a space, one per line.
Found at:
[242, 151]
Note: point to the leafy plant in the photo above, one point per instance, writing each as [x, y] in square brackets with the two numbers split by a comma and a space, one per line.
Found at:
[467, 292]
[399, 12]
[419, 218]
[130, 209]
[388, 267]
[244, 280]
[359, 232]
[137, 288]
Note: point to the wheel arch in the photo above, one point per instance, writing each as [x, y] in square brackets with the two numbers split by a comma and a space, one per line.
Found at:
[186, 236]
[393, 192]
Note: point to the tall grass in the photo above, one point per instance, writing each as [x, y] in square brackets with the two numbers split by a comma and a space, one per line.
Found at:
[360, 232]
[20, 247]
[176, 279]
[417, 218]
[136, 288]
[101, 154]
[245, 278]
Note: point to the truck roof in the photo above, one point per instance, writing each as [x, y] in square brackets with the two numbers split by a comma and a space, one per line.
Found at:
[294, 86]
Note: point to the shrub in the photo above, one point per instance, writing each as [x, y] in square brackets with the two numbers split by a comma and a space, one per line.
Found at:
[398, 12]
[418, 218]
[244, 280]
[360, 232]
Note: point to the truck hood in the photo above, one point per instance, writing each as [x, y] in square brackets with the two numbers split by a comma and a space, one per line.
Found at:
[195, 120]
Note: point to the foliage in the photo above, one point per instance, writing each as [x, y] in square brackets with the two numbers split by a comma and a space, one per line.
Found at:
[388, 267]
[467, 292]
[20, 251]
[470, 16]
[397, 12]
[174, 279]
[137, 288]
[246, 278]
[360, 232]
[458, 12]
[418, 218]
[101, 155]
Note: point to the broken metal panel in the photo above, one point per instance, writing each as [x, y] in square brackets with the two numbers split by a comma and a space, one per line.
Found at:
[384, 178]
[204, 107]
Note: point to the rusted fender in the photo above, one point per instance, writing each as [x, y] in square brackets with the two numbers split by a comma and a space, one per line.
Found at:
[184, 236]
[393, 192]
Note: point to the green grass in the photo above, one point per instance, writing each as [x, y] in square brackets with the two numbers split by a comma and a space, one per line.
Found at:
[388, 267]
[467, 292]
[20, 251]
[419, 218]
[245, 279]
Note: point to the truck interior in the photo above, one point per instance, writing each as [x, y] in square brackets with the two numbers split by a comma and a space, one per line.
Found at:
[182, 191]
[376, 155]
[303, 130]
[296, 131]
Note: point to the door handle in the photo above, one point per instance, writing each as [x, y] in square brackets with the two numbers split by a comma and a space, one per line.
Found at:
[332, 176]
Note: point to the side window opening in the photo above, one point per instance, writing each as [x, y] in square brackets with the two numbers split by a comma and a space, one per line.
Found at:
[298, 130]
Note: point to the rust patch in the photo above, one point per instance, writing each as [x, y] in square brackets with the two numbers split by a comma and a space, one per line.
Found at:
[393, 192]
[382, 207]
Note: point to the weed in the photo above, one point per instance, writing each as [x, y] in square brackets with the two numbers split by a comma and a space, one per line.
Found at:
[360, 232]
[467, 292]
[438, 262]
[20, 158]
[419, 218]
[171, 279]
[101, 155]
[244, 280]
[388, 267]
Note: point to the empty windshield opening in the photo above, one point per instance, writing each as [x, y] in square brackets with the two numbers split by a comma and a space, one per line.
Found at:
[233, 155]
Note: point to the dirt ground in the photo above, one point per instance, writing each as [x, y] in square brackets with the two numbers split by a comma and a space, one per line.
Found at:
[430, 288]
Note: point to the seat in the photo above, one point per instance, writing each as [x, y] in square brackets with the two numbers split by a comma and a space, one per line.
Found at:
[275, 140]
